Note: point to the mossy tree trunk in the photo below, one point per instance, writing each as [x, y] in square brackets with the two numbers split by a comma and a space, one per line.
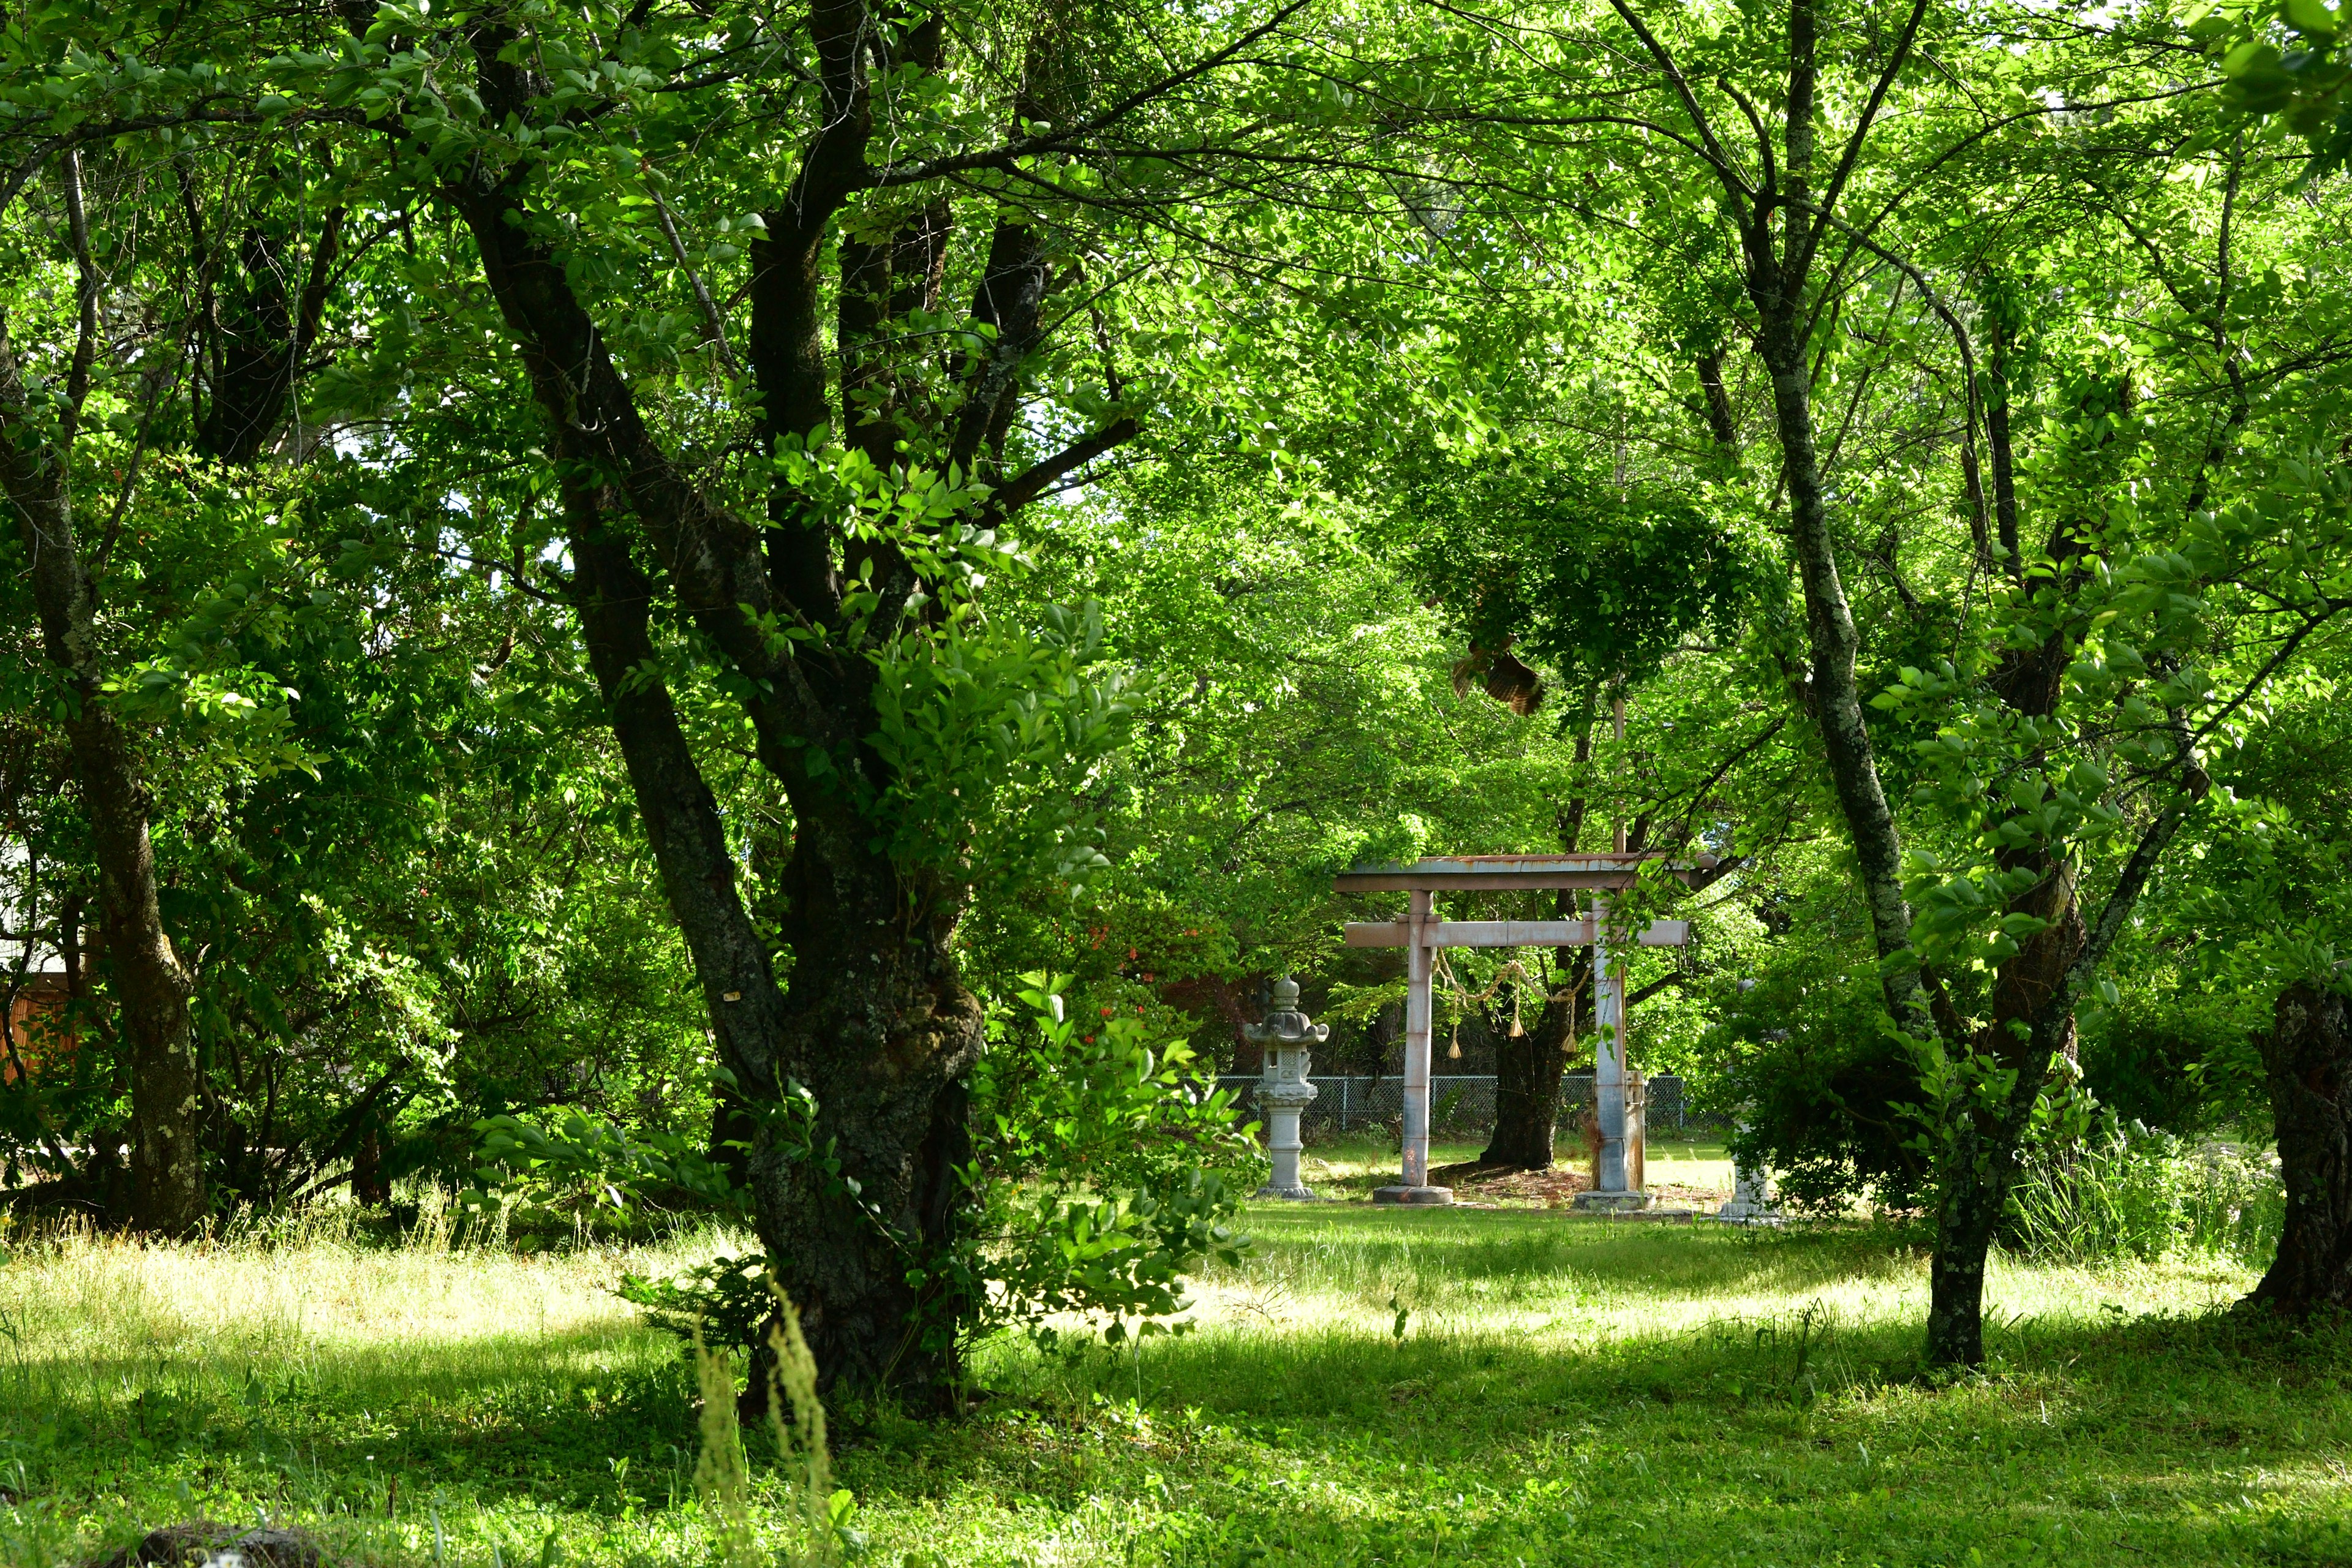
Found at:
[2307, 1058]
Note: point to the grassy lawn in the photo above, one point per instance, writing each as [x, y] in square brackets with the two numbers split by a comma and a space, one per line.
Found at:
[1422, 1388]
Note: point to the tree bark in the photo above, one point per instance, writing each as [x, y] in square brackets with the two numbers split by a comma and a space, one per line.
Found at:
[2307, 1057]
[1528, 1070]
[1833, 642]
[152, 987]
[875, 1024]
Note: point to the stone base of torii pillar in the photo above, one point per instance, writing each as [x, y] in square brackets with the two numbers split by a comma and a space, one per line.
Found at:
[1436, 1197]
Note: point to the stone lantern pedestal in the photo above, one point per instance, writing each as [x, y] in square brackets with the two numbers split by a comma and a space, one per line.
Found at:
[1285, 1038]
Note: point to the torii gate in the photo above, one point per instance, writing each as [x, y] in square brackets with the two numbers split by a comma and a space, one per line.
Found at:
[1420, 934]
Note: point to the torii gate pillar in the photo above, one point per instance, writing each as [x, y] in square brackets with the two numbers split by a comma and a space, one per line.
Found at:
[1420, 961]
[1611, 1188]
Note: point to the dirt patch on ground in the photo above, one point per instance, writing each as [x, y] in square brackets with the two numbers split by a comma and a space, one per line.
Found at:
[1553, 1189]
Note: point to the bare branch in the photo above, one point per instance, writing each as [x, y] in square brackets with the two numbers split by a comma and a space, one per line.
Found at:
[1061, 140]
[710, 317]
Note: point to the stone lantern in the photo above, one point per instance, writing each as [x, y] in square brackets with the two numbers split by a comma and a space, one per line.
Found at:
[1283, 1091]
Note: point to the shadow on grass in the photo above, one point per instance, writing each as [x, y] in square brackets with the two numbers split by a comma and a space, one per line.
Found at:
[1789, 1439]
[332, 1430]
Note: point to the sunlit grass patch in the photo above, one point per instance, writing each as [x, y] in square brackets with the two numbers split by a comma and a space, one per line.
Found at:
[1465, 1387]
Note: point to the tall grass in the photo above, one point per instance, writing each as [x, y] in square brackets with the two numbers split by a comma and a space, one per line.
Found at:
[2131, 1193]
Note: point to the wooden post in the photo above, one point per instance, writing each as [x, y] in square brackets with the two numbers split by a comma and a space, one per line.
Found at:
[1608, 1054]
[1419, 960]
[1637, 1130]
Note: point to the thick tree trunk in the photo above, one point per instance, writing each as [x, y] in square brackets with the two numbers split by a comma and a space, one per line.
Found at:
[1968, 1215]
[1528, 1072]
[874, 1025]
[882, 1031]
[2307, 1056]
[151, 986]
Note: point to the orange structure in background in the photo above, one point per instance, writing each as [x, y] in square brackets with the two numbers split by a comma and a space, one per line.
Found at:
[32, 1039]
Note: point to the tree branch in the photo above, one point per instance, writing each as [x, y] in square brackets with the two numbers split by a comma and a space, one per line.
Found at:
[1725, 169]
[85, 306]
[1829, 197]
[710, 317]
[1026, 485]
[1060, 141]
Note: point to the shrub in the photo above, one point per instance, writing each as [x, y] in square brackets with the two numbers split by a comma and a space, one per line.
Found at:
[1106, 1166]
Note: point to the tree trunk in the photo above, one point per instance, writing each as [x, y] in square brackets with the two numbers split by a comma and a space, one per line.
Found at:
[882, 1031]
[2033, 1021]
[2307, 1056]
[1528, 1071]
[262, 341]
[1836, 699]
[368, 1183]
[874, 1025]
[152, 987]
[1967, 1217]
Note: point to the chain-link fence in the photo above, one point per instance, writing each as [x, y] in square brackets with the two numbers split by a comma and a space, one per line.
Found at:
[1458, 1102]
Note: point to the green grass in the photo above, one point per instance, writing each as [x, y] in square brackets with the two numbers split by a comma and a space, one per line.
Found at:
[1404, 1388]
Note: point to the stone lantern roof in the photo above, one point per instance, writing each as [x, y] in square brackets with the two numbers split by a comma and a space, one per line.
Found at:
[1285, 1024]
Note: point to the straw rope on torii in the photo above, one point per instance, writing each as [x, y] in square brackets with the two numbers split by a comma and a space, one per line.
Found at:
[1511, 973]
[1422, 936]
